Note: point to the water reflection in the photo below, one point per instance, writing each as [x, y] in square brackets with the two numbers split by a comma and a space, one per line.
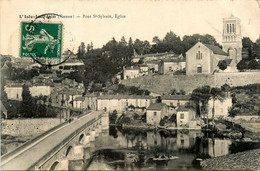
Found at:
[140, 149]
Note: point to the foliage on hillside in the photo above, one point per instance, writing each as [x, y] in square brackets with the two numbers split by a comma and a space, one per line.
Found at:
[245, 100]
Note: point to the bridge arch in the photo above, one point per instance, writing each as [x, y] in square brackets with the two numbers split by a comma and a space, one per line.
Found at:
[54, 165]
[68, 151]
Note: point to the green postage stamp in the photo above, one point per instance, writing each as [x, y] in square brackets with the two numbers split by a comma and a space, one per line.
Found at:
[41, 40]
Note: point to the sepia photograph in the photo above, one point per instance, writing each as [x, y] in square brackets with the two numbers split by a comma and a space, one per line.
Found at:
[130, 85]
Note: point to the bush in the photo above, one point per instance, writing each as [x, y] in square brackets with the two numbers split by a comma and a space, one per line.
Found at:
[163, 121]
[126, 120]
[222, 65]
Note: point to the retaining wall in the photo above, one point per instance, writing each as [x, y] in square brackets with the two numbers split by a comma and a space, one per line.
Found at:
[28, 127]
[165, 83]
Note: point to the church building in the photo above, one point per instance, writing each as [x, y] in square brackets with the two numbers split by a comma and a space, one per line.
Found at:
[232, 39]
[204, 58]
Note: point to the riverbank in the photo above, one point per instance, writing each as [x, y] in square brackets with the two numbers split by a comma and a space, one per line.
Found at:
[248, 160]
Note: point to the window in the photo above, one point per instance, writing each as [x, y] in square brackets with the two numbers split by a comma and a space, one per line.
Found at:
[182, 142]
[170, 68]
[154, 113]
[182, 115]
[227, 28]
[198, 55]
[199, 69]
[171, 104]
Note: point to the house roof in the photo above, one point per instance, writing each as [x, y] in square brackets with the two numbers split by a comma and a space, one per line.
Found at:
[176, 97]
[143, 65]
[132, 68]
[156, 54]
[215, 49]
[156, 106]
[185, 108]
[121, 96]
[174, 60]
[80, 98]
[153, 62]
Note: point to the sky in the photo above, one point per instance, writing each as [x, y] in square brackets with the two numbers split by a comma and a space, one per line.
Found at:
[144, 19]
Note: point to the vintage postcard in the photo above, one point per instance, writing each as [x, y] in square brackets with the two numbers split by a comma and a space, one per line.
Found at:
[130, 85]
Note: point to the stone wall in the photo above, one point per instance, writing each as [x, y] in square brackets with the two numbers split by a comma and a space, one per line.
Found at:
[165, 83]
[237, 78]
[28, 127]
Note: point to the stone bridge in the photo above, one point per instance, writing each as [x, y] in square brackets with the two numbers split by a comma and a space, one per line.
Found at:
[66, 144]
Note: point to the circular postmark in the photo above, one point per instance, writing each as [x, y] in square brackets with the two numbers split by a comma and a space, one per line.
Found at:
[42, 40]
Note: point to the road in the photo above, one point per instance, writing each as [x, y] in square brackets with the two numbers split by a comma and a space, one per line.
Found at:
[36, 151]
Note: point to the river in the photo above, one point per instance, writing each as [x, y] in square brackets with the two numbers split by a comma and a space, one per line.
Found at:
[119, 149]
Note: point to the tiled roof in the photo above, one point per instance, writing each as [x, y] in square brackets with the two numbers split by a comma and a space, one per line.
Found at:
[124, 97]
[158, 54]
[153, 62]
[216, 49]
[173, 60]
[132, 68]
[185, 108]
[79, 98]
[176, 97]
[156, 106]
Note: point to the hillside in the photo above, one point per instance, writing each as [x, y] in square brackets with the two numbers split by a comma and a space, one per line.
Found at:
[165, 83]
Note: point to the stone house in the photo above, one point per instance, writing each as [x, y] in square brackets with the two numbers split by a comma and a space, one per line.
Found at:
[78, 103]
[153, 65]
[174, 101]
[185, 116]
[155, 112]
[221, 107]
[131, 72]
[170, 65]
[204, 59]
[143, 69]
[14, 92]
[123, 102]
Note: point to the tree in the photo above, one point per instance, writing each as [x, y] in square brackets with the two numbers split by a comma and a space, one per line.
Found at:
[156, 40]
[27, 103]
[216, 94]
[174, 92]
[172, 42]
[189, 41]
[201, 96]
[242, 65]
[81, 50]
[222, 65]
[247, 43]
[123, 41]
[182, 92]
[138, 46]
[253, 64]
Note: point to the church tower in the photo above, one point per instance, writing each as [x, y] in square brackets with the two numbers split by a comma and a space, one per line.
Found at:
[232, 39]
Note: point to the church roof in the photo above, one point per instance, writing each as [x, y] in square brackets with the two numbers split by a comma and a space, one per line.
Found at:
[216, 49]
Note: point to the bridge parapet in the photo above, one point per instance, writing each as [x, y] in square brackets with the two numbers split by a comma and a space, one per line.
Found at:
[78, 144]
